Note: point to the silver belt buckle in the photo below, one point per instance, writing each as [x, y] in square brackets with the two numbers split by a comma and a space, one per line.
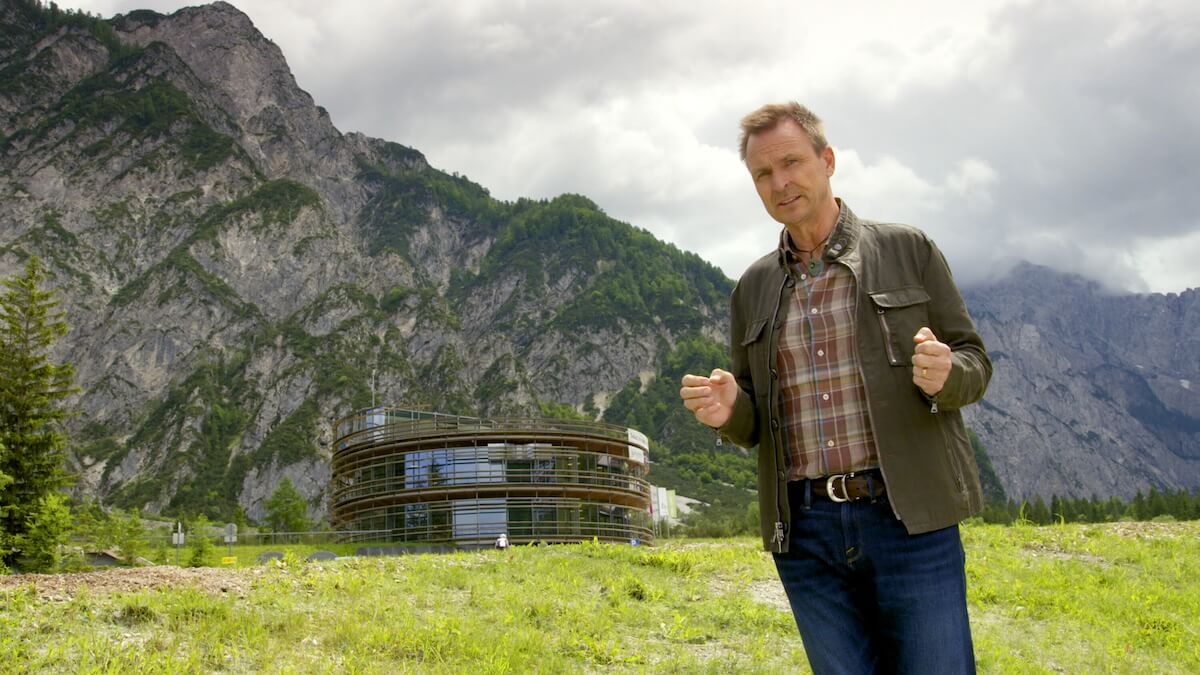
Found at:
[830, 491]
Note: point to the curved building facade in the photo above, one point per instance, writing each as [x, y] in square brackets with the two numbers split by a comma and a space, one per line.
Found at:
[408, 476]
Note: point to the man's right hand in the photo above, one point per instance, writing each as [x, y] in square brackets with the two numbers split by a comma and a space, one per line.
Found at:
[710, 398]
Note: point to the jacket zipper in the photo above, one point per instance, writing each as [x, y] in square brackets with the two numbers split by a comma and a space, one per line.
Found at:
[887, 338]
[780, 526]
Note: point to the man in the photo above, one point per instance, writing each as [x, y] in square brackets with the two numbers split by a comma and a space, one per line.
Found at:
[852, 353]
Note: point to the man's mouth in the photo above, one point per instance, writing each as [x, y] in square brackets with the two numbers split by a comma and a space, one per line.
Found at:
[789, 200]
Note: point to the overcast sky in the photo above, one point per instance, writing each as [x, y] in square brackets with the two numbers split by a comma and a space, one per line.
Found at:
[1065, 133]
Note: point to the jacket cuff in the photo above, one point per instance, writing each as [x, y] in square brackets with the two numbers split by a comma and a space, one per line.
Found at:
[739, 430]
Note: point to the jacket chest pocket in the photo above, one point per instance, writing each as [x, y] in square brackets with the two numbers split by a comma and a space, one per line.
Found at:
[901, 313]
[755, 343]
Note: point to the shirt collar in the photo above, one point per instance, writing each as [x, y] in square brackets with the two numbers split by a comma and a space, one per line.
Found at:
[835, 245]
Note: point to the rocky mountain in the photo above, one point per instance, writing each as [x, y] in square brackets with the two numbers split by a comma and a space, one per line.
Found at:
[238, 273]
[1093, 393]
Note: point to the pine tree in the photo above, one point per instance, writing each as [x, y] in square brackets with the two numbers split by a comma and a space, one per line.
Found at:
[200, 544]
[1039, 513]
[286, 509]
[48, 527]
[32, 388]
[131, 535]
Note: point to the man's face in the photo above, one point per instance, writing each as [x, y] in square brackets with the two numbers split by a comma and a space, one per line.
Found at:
[791, 178]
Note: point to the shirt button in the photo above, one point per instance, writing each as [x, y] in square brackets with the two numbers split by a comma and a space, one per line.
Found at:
[814, 310]
[820, 352]
[803, 277]
[829, 443]
[825, 396]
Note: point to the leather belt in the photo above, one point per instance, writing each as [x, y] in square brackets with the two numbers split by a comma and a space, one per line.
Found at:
[850, 487]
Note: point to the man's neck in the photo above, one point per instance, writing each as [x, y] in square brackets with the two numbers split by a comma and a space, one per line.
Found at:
[808, 236]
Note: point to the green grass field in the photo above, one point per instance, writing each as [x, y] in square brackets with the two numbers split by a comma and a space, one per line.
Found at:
[1075, 599]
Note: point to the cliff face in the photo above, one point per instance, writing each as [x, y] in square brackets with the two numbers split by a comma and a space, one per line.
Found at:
[238, 272]
[1092, 393]
[235, 268]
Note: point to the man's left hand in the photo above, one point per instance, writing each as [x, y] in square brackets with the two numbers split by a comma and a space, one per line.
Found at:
[931, 362]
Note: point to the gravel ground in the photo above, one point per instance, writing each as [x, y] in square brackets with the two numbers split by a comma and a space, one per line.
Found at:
[63, 587]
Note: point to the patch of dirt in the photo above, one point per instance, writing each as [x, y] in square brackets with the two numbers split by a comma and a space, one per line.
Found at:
[770, 592]
[63, 587]
[1044, 550]
[1144, 530]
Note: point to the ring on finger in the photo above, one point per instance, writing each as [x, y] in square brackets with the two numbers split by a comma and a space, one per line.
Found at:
[924, 372]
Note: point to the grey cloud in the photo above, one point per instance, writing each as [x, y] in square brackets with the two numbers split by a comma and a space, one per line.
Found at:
[1093, 138]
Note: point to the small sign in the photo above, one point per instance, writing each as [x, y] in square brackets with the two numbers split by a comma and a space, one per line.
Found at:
[638, 443]
[637, 438]
[229, 560]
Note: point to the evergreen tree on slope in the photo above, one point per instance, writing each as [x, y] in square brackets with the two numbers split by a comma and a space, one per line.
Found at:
[32, 389]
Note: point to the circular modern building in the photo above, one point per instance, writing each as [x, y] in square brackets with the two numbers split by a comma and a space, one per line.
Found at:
[406, 476]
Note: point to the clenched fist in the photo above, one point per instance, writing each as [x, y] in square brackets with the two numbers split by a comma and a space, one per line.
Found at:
[931, 362]
[710, 398]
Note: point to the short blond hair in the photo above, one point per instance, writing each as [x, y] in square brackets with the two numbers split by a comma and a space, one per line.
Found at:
[771, 114]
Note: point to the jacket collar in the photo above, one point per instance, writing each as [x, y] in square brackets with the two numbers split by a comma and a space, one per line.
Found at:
[841, 241]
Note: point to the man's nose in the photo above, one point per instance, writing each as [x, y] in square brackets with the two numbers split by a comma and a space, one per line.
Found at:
[779, 181]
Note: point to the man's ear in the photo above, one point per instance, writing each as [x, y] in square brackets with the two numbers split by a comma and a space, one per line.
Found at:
[830, 160]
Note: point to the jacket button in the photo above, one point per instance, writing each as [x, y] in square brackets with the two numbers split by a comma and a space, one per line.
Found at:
[774, 424]
[774, 374]
[790, 282]
[782, 475]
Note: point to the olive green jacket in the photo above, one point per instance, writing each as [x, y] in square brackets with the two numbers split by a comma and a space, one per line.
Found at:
[902, 284]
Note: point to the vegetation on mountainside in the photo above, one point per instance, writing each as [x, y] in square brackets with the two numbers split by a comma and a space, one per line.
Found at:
[631, 277]
[219, 398]
[49, 17]
[108, 113]
[272, 203]
[126, 102]
[1074, 598]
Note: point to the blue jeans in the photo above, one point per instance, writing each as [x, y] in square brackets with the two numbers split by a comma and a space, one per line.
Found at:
[870, 598]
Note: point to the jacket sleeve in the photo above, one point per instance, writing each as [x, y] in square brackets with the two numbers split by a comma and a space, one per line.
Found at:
[971, 369]
[742, 428]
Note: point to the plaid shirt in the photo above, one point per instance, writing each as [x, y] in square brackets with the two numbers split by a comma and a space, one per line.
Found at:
[826, 422]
